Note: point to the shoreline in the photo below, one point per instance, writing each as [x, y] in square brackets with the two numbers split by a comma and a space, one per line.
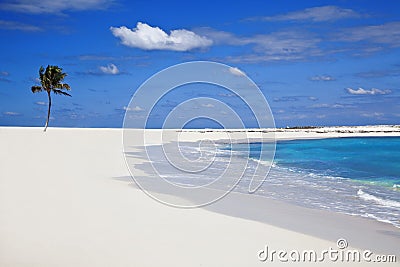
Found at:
[339, 224]
[67, 199]
[325, 217]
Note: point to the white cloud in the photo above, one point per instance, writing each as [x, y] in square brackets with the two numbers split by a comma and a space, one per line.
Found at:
[380, 73]
[136, 108]
[320, 106]
[291, 44]
[338, 106]
[237, 72]
[294, 116]
[4, 75]
[328, 106]
[226, 95]
[316, 14]
[286, 99]
[284, 45]
[53, 6]
[14, 25]
[324, 78]
[40, 103]
[109, 69]
[207, 105]
[388, 33]
[373, 91]
[153, 38]
[371, 115]
[325, 105]
[11, 113]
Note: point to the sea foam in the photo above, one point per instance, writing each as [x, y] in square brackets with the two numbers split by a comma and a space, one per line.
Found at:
[381, 201]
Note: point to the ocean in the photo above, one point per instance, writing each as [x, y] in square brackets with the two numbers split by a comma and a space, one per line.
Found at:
[357, 176]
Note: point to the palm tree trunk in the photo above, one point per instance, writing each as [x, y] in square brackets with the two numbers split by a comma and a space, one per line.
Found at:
[48, 112]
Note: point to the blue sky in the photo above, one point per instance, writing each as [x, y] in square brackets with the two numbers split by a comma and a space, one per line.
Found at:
[316, 62]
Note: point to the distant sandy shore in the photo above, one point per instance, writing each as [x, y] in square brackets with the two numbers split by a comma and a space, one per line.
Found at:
[306, 133]
[67, 199]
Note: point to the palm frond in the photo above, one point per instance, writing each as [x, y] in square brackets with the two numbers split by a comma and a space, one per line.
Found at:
[63, 86]
[41, 72]
[51, 79]
[59, 92]
[41, 76]
[36, 89]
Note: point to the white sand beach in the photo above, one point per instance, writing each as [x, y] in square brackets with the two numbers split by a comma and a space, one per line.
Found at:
[67, 199]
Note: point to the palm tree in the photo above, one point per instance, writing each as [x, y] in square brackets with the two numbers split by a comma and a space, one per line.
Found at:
[51, 80]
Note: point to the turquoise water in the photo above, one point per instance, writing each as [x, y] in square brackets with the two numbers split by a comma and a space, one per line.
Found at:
[372, 159]
[357, 176]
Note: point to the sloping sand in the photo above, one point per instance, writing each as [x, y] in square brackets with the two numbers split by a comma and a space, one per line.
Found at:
[67, 199]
